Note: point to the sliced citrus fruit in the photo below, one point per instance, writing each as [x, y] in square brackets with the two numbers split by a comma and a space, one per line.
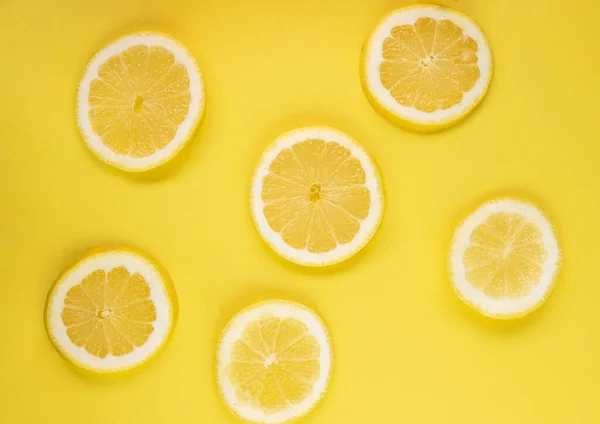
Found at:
[273, 362]
[316, 196]
[426, 66]
[111, 311]
[504, 259]
[140, 101]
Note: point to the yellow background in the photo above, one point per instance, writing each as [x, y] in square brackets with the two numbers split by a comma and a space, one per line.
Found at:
[407, 350]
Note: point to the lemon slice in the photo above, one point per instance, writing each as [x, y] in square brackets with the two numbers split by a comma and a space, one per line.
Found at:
[273, 362]
[316, 196]
[111, 311]
[140, 101]
[504, 259]
[426, 67]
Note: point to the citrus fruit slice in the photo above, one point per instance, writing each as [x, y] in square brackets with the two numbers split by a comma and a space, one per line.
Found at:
[426, 67]
[504, 259]
[273, 362]
[111, 311]
[140, 101]
[316, 196]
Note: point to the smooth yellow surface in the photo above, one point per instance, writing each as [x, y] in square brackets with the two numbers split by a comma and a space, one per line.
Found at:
[406, 349]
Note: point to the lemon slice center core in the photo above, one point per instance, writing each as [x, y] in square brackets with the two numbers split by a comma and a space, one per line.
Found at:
[104, 313]
[137, 105]
[315, 192]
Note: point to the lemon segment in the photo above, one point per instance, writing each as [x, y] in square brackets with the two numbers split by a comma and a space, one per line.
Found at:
[140, 101]
[426, 66]
[273, 362]
[316, 196]
[111, 311]
[504, 259]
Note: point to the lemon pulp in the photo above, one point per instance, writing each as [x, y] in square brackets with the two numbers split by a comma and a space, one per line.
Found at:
[315, 195]
[139, 100]
[274, 363]
[109, 312]
[505, 256]
[429, 65]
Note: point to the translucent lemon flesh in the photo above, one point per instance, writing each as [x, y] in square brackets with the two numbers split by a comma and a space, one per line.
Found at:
[429, 65]
[139, 99]
[505, 256]
[109, 312]
[315, 195]
[274, 364]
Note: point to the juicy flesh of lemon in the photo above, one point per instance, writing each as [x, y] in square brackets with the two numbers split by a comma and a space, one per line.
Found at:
[138, 101]
[315, 195]
[109, 312]
[274, 364]
[429, 65]
[505, 256]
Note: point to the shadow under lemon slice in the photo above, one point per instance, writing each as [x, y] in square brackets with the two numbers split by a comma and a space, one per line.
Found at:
[504, 259]
[316, 196]
[426, 66]
[140, 101]
[274, 362]
[111, 311]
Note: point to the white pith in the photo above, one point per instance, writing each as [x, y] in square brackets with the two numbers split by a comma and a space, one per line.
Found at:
[158, 294]
[505, 306]
[408, 16]
[368, 226]
[234, 330]
[185, 130]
